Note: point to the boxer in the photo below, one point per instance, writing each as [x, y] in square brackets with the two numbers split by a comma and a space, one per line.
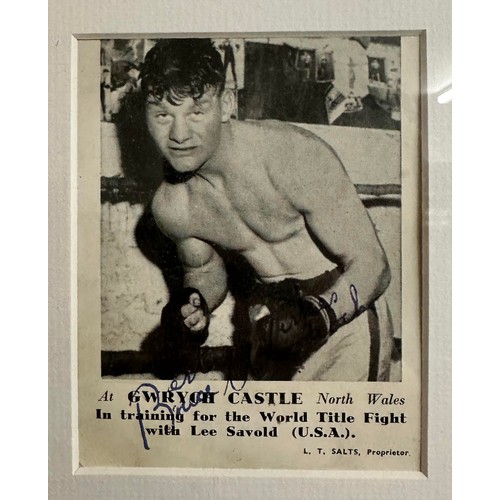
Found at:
[280, 197]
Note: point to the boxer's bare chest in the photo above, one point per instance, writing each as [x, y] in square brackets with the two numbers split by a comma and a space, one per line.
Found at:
[241, 212]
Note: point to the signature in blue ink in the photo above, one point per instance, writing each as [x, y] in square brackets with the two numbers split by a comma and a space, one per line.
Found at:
[174, 410]
[230, 385]
[344, 318]
[293, 321]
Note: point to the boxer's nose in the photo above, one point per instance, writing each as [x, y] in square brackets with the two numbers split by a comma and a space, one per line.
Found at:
[179, 132]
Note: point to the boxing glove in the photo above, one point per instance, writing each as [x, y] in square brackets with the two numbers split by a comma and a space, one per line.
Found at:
[294, 318]
[297, 326]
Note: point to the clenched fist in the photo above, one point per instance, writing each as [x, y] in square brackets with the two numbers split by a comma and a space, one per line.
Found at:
[186, 316]
[194, 314]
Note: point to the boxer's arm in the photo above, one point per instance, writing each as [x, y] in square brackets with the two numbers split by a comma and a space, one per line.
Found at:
[204, 270]
[203, 267]
[335, 215]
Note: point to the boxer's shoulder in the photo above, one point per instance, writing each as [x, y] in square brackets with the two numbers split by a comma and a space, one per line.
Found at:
[300, 159]
[170, 209]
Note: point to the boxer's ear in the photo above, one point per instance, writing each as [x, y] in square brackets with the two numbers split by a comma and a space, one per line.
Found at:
[227, 105]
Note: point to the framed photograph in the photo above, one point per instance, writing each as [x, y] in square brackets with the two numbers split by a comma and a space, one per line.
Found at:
[247, 262]
[325, 71]
[306, 62]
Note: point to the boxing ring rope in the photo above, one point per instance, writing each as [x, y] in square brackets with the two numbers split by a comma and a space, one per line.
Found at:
[121, 189]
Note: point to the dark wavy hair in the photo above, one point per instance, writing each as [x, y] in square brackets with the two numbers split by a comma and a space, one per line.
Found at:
[180, 68]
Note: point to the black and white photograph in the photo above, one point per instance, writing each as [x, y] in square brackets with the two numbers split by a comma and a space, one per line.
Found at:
[251, 208]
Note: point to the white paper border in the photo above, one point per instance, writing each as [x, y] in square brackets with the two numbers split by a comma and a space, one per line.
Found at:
[70, 19]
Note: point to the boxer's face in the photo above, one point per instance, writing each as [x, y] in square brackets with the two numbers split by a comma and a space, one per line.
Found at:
[187, 133]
